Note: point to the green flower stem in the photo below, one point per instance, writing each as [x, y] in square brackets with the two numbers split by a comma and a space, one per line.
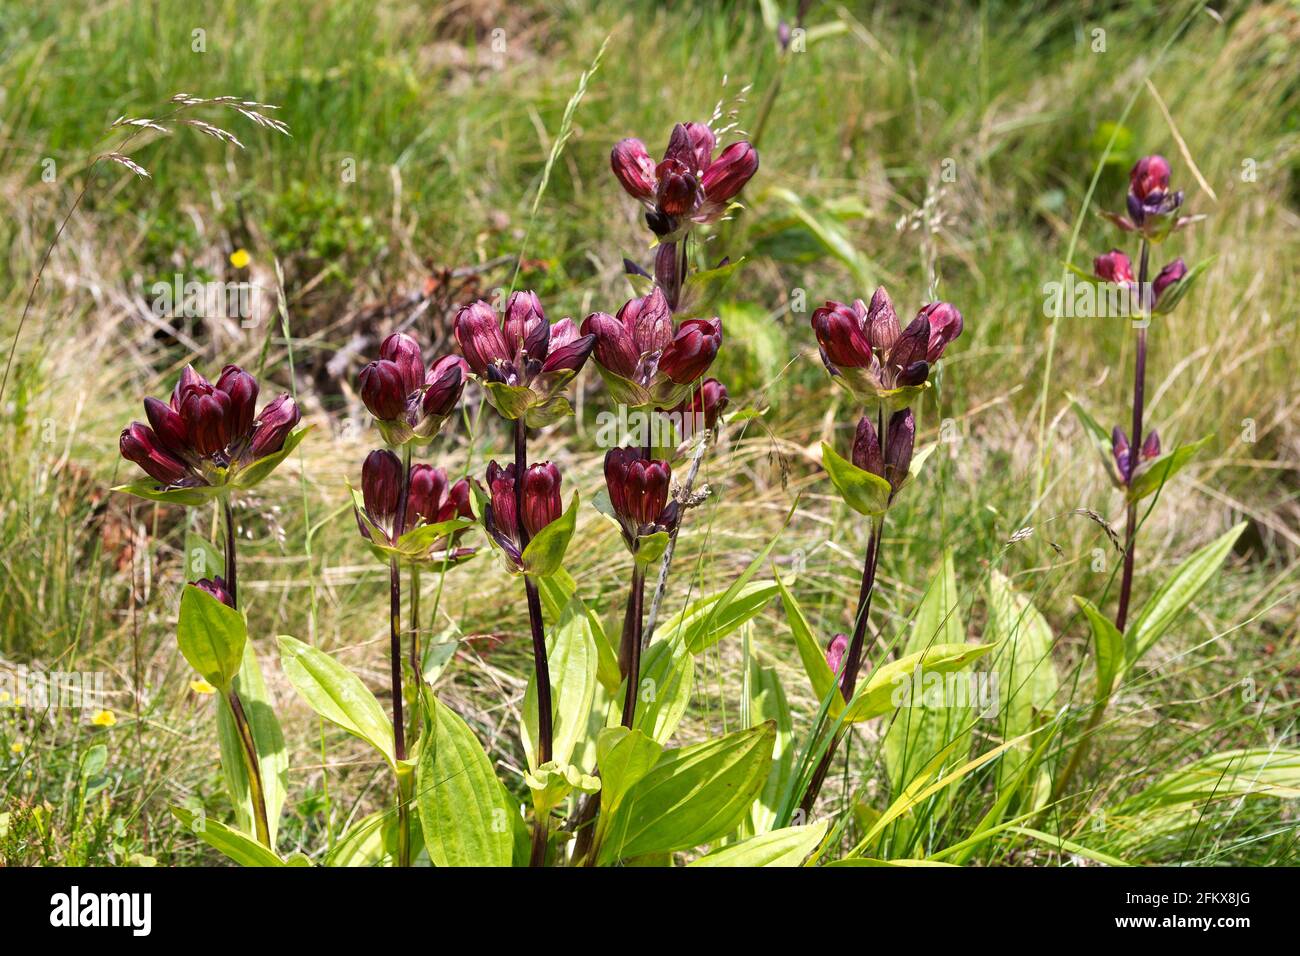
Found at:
[248, 745]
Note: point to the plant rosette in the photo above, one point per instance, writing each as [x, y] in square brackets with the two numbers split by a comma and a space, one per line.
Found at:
[552, 782]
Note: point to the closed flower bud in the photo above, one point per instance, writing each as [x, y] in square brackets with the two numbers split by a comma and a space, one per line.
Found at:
[572, 355]
[634, 169]
[913, 345]
[273, 426]
[866, 448]
[945, 325]
[139, 444]
[526, 325]
[728, 175]
[424, 497]
[835, 652]
[1119, 450]
[691, 144]
[1151, 446]
[445, 382]
[480, 337]
[456, 504]
[381, 486]
[649, 321]
[206, 420]
[167, 425]
[501, 488]
[638, 488]
[216, 586]
[404, 352]
[542, 501]
[1115, 267]
[242, 389]
[703, 407]
[1169, 275]
[841, 336]
[692, 350]
[881, 325]
[678, 192]
[898, 447]
[190, 380]
[914, 374]
[383, 389]
[615, 348]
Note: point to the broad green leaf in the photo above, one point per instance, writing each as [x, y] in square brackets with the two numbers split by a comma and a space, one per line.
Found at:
[545, 552]
[871, 861]
[865, 493]
[1027, 681]
[211, 637]
[767, 703]
[694, 795]
[510, 401]
[651, 547]
[240, 847]
[203, 559]
[889, 686]
[556, 592]
[1258, 772]
[1108, 648]
[709, 619]
[547, 413]
[667, 673]
[571, 657]
[788, 846]
[919, 731]
[1163, 608]
[272, 754]
[465, 819]
[363, 844]
[624, 757]
[1154, 476]
[148, 489]
[1068, 846]
[256, 472]
[811, 652]
[337, 694]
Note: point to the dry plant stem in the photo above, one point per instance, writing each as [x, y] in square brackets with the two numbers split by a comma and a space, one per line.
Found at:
[631, 643]
[853, 659]
[540, 666]
[662, 584]
[245, 730]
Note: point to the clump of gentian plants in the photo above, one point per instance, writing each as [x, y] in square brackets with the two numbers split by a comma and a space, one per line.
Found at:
[600, 711]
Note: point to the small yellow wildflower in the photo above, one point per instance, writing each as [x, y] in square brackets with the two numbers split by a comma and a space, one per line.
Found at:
[105, 718]
[240, 258]
[200, 686]
[4, 696]
[16, 747]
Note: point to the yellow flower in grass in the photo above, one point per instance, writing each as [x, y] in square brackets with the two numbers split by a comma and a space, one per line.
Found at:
[16, 747]
[105, 718]
[200, 686]
[240, 258]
